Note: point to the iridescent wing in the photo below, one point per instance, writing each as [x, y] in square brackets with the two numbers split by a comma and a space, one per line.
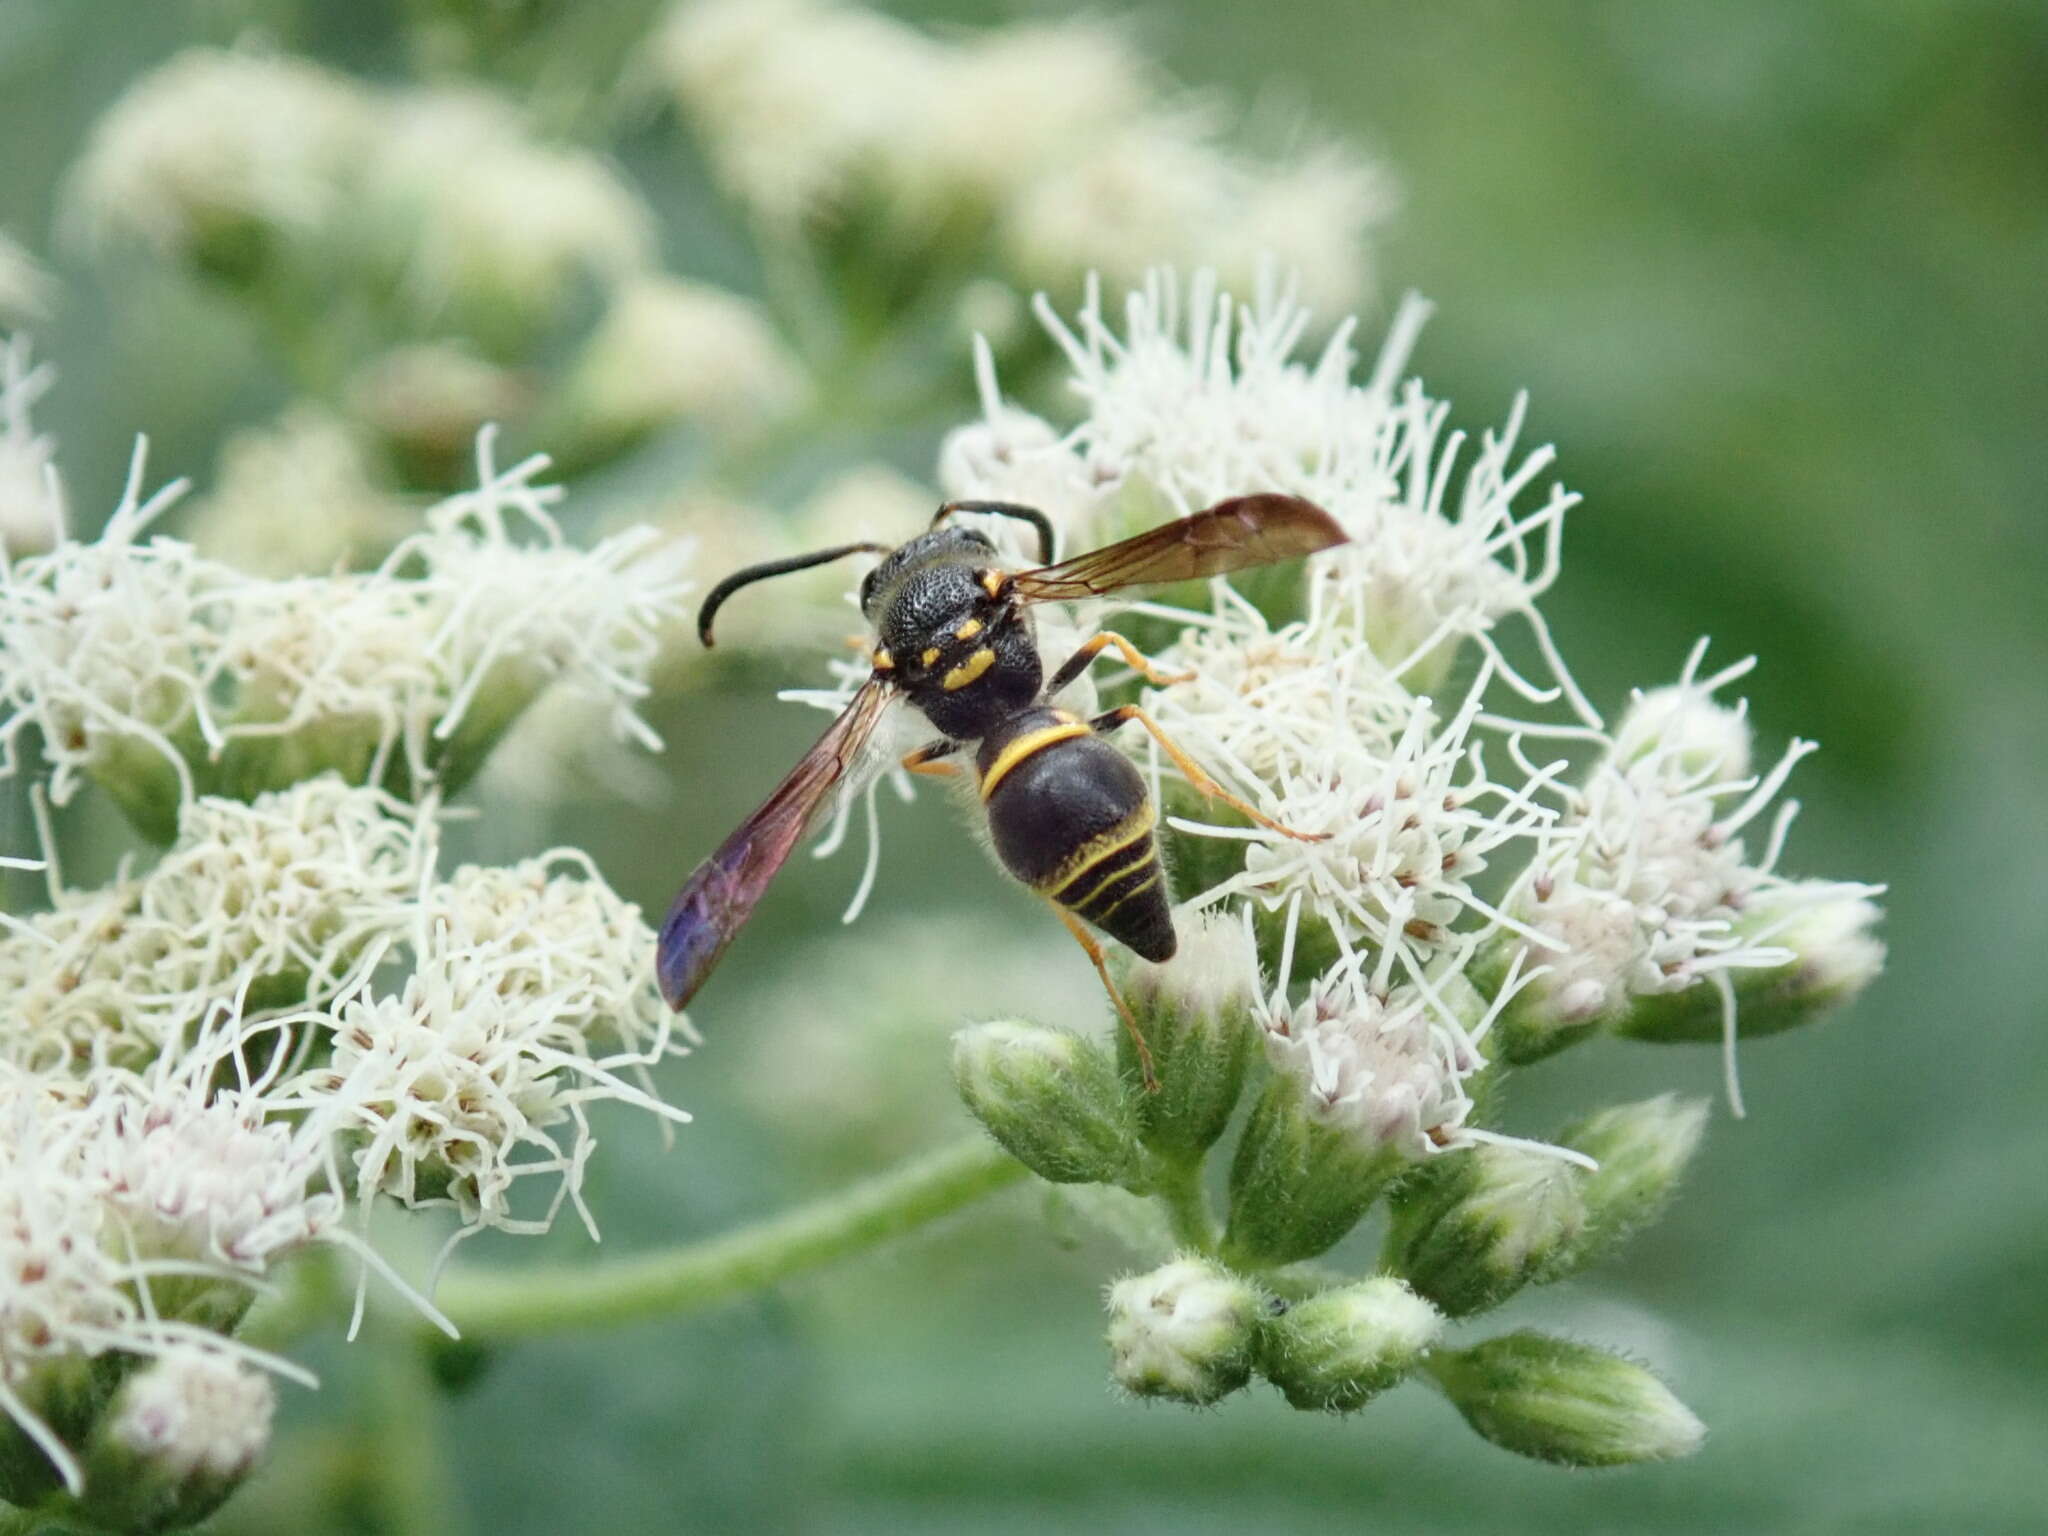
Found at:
[720, 896]
[1233, 535]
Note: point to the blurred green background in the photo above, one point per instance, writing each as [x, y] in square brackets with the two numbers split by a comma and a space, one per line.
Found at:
[1777, 279]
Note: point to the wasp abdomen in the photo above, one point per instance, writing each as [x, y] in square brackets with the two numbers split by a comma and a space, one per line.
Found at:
[1072, 819]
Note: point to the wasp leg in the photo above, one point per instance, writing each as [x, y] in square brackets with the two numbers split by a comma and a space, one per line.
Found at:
[1193, 770]
[925, 760]
[1087, 941]
[1136, 659]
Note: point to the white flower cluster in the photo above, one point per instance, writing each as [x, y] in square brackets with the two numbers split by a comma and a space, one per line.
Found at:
[1624, 876]
[532, 992]
[134, 1216]
[202, 1065]
[233, 159]
[254, 906]
[1052, 139]
[127, 653]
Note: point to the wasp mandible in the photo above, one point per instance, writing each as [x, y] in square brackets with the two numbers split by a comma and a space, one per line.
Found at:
[1069, 815]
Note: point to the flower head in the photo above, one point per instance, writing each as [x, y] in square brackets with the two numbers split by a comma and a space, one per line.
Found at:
[218, 155]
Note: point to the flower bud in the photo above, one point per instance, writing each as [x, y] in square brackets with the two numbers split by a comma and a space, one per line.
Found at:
[1298, 1184]
[1184, 1332]
[1196, 1015]
[1472, 1228]
[1686, 731]
[1564, 1402]
[1338, 1349]
[177, 1440]
[668, 350]
[1827, 928]
[1642, 1150]
[1054, 1100]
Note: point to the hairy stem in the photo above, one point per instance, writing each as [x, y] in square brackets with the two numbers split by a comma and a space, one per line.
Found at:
[1187, 1207]
[693, 1275]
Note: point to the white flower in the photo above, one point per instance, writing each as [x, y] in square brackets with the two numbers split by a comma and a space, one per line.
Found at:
[121, 650]
[208, 1177]
[1385, 1064]
[257, 906]
[669, 350]
[31, 499]
[193, 1414]
[531, 996]
[794, 97]
[215, 152]
[297, 498]
[432, 398]
[486, 225]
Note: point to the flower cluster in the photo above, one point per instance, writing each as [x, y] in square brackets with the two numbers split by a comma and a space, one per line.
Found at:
[1471, 869]
[209, 1062]
[161, 674]
[1049, 149]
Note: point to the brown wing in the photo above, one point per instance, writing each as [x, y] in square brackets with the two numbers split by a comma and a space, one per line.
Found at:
[1231, 536]
[720, 896]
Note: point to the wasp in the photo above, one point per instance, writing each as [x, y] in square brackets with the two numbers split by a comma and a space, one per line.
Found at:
[1068, 814]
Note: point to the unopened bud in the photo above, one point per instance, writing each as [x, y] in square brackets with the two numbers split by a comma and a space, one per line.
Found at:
[1184, 1332]
[1642, 1150]
[1681, 726]
[183, 1433]
[1196, 1015]
[1336, 1350]
[1298, 1184]
[1473, 1227]
[1054, 1100]
[1564, 1402]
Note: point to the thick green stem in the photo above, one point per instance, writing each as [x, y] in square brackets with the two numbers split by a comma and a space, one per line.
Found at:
[1187, 1208]
[694, 1275]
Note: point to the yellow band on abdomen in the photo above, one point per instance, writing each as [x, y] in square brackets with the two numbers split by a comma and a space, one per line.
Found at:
[1023, 747]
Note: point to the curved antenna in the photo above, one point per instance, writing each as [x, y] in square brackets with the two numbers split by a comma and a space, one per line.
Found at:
[715, 598]
[1022, 513]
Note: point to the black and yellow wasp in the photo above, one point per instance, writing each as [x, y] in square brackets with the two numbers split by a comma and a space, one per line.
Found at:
[1069, 815]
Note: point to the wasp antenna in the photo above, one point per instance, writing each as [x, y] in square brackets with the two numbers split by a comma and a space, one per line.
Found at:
[1031, 515]
[715, 598]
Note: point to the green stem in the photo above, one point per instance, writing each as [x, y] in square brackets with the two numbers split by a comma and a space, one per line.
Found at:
[695, 1275]
[1187, 1207]
[412, 1492]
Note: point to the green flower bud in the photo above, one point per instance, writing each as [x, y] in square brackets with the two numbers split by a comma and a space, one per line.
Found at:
[177, 1440]
[1564, 1402]
[1835, 956]
[1184, 1332]
[1642, 1150]
[1196, 1015]
[1341, 1348]
[1297, 1184]
[1054, 1100]
[1471, 1228]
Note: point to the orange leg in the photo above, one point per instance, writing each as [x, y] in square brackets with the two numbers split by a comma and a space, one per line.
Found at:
[1194, 772]
[925, 760]
[1087, 942]
[1134, 658]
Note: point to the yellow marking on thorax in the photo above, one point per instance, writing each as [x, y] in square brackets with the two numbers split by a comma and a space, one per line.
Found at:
[968, 630]
[969, 670]
[1102, 846]
[930, 657]
[1023, 747]
[883, 660]
[992, 582]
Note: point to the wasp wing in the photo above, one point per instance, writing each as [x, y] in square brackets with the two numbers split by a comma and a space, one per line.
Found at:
[1230, 536]
[720, 896]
